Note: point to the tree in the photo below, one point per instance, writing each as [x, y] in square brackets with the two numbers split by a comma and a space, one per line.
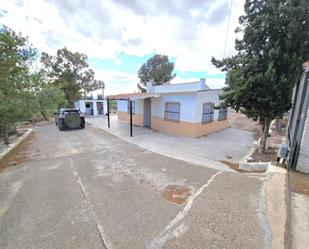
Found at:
[17, 99]
[71, 73]
[158, 70]
[260, 77]
[49, 98]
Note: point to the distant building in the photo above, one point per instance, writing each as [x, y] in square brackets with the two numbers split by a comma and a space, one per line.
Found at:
[298, 131]
[186, 109]
[92, 106]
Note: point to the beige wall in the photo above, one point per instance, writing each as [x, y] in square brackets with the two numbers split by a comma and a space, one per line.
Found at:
[181, 128]
[136, 118]
[186, 128]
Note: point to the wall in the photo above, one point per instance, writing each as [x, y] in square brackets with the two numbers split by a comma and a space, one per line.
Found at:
[137, 117]
[204, 97]
[303, 158]
[179, 88]
[81, 105]
[191, 109]
[187, 106]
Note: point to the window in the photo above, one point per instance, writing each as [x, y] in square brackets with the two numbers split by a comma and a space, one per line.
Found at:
[222, 114]
[208, 113]
[172, 111]
[133, 107]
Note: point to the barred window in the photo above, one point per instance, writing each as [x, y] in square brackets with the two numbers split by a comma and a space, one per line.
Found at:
[133, 107]
[208, 113]
[222, 114]
[172, 111]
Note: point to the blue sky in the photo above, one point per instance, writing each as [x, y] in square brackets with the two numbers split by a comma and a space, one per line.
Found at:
[119, 36]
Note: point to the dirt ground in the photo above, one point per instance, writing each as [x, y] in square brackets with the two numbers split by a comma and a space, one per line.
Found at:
[17, 155]
[300, 183]
[240, 121]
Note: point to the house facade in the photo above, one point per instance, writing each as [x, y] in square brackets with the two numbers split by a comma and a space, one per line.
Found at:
[186, 109]
[92, 106]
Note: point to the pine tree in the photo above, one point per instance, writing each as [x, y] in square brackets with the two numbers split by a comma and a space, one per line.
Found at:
[261, 76]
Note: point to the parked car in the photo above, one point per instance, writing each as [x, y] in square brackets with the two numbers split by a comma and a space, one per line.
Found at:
[69, 119]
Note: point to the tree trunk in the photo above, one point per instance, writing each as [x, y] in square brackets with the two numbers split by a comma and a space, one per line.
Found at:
[5, 134]
[44, 115]
[265, 130]
[278, 124]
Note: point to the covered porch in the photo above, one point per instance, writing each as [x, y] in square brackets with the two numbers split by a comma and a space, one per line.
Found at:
[140, 102]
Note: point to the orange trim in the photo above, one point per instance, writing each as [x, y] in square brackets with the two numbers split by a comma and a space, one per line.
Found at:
[187, 129]
[180, 128]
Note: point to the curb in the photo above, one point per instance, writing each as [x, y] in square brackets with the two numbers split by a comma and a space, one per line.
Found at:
[253, 166]
[16, 143]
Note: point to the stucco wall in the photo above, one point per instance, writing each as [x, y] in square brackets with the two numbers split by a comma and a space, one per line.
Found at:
[191, 109]
[122, 106]
[303, 158]
[81, 105]
[187, 106]
[205, 97]
[137, 119]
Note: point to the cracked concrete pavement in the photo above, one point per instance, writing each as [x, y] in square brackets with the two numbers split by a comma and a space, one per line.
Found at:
[90, 189]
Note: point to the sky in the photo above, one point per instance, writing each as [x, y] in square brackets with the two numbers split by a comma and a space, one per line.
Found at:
[118, 36]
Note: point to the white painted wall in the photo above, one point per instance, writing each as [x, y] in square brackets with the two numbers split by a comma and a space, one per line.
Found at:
[191, 104]
[81, 105]
[205, 97]
[187, 106]
[122, 105]
[181, 87]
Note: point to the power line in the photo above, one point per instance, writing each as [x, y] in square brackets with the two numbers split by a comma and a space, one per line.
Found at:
[227, 30]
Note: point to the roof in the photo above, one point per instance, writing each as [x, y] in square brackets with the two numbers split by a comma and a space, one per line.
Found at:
[133, 96]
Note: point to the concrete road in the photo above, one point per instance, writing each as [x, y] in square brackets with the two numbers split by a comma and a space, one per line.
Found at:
[90, 189]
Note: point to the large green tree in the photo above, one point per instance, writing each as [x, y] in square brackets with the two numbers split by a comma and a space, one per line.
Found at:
[70, 72]
[17, 97]
[49, 97]
[261, 76]
[158, 70]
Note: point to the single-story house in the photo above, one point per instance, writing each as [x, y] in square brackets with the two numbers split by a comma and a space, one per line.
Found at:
[186, 109]
[92, 107]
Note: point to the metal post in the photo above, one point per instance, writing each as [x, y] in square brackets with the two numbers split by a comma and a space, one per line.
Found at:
[131, 125]
[108, 118]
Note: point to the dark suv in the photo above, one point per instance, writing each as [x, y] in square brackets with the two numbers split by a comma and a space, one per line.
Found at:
[69, 118]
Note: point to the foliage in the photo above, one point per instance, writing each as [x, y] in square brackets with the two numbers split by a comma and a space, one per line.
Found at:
[275, 43]
[49, 98]
[158, 70]
[17, 99]
[70, 72]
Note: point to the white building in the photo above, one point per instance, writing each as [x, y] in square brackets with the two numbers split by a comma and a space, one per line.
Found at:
[186, 109]
[92, 107]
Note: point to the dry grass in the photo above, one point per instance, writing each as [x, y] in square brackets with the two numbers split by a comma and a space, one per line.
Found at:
[18, 155]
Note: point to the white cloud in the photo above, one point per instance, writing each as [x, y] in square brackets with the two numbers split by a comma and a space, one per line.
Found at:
[190, 31]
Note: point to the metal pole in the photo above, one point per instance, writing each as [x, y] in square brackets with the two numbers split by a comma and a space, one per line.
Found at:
[131, 125]
[108, 118]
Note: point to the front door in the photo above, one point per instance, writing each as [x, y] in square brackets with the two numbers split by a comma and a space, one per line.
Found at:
[147, 112]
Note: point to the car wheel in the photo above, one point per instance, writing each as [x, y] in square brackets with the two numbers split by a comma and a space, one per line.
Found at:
[60, 126]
